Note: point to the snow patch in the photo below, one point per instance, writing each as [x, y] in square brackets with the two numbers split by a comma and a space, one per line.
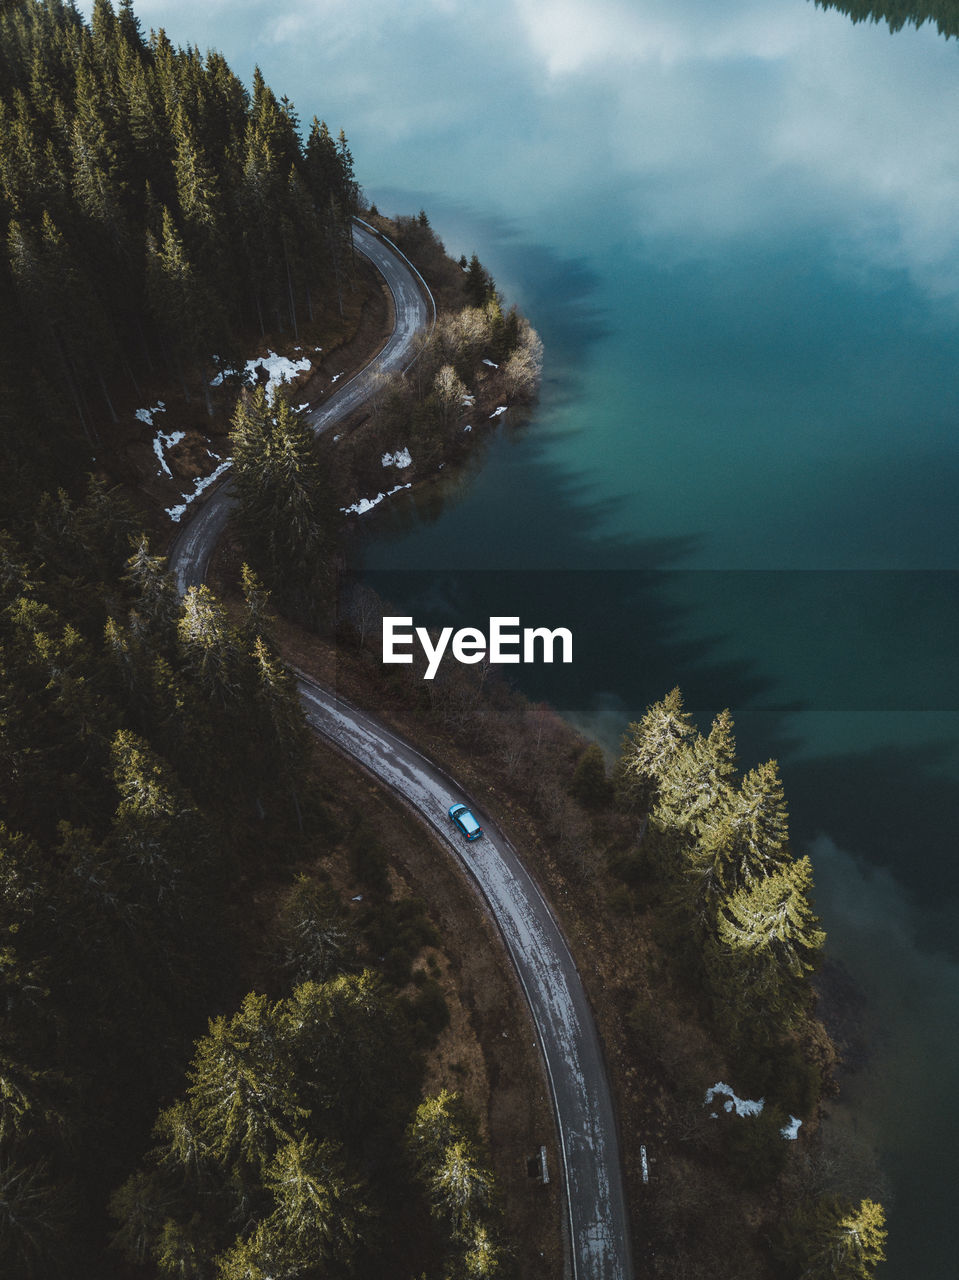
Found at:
[335, 376]
[742, 1106]
[496, 412]
[399, 459]
[363, 505]
[163, 441]
[204, 482]
[791, 1130]
[146, 415]
[467, 427]
[279, 369]
[490, 363]
[468, 400]
[335, 438]
[301, 407]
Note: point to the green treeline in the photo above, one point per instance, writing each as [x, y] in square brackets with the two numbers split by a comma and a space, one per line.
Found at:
[154, 780]
[899, 13]
[140, 741]
[735, 909]
[284, 511]
[151, 208]
[210, 1066]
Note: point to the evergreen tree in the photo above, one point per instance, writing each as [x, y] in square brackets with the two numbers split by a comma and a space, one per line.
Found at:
[283, 508]
[768, 942]
[697, 780]
[651, 746]
[210, 646]
[460, 1188]
[478, 283]
[242, 1093]
[155, 606]
[745, 838]
[839, 1240]
[319, 1212]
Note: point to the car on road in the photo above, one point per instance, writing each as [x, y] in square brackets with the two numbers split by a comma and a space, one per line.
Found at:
[463, 820]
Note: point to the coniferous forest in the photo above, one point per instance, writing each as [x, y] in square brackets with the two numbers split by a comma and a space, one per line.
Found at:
[154, 210]
[157, 1116]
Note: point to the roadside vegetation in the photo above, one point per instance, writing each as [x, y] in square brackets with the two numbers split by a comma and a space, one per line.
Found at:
[694, 922]
[161, 864]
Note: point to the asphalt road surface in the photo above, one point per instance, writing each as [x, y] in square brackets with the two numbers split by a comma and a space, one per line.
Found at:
[413, 313]
[587, 1155]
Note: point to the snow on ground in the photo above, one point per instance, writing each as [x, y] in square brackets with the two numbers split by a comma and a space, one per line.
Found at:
[468, 400]
[362, 505]
[335, 376]
[146, 415]
[467, 427]
[746, 1107]
[399, 459]
[204, 482]
[496, 412]
[163, 441]
[791, 1130]
[742, 1106]
[279, 369]
[490, 363]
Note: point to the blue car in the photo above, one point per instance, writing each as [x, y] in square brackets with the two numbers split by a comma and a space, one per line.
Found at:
[464, 822]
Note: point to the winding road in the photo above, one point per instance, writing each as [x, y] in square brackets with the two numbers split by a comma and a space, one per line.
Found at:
[588, 1143]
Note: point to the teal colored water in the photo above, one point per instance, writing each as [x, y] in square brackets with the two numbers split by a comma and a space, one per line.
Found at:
[749, 461]
[737, 229]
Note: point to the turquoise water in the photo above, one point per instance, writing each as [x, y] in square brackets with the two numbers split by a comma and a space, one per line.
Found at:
[751, 492]
[737, 229]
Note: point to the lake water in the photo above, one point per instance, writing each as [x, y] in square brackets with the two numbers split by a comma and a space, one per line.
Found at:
[737, 229]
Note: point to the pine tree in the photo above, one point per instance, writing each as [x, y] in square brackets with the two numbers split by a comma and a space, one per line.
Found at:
[439, 1121]
[697, 781]
[32, 1217]
[242, 1090]
[155, 605]
[843, 1241]
[210, 646]
[460, 1188]
[283, 508]
[744, 839]
[650, 747]
[767, 943]
[477, 283]
[319, 1212]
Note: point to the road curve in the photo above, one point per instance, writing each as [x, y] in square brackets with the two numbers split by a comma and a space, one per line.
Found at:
[588, 1142]
[413, 313]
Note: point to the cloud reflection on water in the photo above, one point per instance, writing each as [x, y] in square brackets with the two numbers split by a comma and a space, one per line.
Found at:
[698, 123]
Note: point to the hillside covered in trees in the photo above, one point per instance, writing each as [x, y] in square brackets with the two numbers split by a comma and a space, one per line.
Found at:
[211, 1064]
[153, 211]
